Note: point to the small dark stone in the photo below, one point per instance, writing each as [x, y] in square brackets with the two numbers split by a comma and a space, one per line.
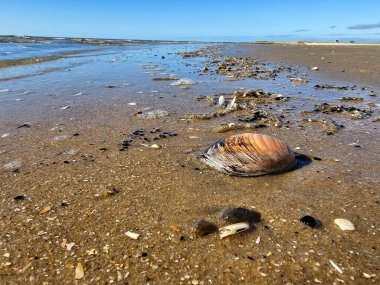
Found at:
[66, 162]
[310, 221]
[76, 134]
[64, 203]
[125, 144]
[317, 158]
[19, 197]
[203, 228]
[181, 238]
[144, 254]
[237, 215]
[111, 86]
[138, 133]
[103, 148]
[162, 57]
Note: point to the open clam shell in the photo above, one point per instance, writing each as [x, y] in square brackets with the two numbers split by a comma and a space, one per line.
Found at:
[249, 154]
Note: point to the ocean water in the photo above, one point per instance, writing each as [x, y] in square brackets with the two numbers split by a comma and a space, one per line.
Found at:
[60, 72]
[15, 50]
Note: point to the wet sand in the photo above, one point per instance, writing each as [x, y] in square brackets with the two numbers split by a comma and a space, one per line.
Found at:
[78, 187]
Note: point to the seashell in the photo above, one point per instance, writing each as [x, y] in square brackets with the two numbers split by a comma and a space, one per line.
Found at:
[344, 225]
[221, 101]
[79, 271]
[249, 154]
[233, 229]
[132, 235]
[232, 104]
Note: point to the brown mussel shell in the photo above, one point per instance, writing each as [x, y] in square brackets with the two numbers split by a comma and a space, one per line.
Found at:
[249, 154]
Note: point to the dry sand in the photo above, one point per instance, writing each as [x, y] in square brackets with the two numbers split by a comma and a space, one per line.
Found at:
[356, 63]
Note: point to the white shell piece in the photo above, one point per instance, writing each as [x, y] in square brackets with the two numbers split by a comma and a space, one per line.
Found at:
[155, 146]
[233, 229]
[232, 103]
[132, 235]
[221, 101]
[345, 225]
[337, 268]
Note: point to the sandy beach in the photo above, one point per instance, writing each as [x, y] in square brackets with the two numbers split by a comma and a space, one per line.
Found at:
[78, 173]
[356, 63]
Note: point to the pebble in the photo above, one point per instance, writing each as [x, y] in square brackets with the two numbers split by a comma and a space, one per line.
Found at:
[5, 135]
[315, 68]
[236, 215]
[344, 225]
[310, 221]
[155, 146]
[203, 228]
[19, 198]
[13, 165]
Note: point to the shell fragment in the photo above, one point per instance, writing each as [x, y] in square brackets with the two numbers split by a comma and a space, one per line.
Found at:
[132, 235]
[233, 229]
[344, 225]
[337, 268]
[79, 271]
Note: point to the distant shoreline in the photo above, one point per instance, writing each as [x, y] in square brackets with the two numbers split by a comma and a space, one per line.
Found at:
[105, 41]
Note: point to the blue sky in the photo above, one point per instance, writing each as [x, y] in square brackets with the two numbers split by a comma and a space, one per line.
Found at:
[236, 20]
